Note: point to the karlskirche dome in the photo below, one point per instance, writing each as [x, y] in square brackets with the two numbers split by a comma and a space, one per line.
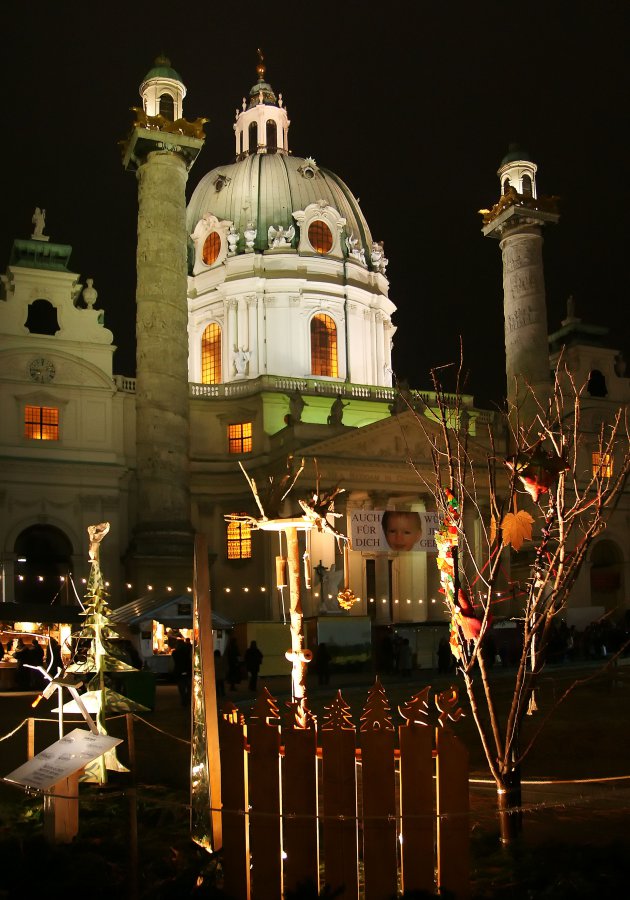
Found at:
[283, 269]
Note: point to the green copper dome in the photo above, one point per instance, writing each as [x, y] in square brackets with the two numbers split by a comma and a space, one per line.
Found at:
[514, 154]
[267, 188]
[162, 69]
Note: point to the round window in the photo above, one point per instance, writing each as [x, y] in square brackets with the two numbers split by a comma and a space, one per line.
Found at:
[320, 237]
[211, 248]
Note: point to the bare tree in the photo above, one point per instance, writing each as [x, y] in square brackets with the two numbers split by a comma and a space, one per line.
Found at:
[535, 491]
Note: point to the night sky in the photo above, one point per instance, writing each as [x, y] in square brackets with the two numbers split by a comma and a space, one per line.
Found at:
[413, 106]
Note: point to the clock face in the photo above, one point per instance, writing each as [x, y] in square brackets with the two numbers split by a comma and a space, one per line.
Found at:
[42, 370]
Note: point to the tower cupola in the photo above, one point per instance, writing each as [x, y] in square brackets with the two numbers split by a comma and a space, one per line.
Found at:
[262, 125]
[518, 171]
[163, 91]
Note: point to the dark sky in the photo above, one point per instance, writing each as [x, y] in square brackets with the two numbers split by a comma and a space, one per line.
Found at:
[413, 105]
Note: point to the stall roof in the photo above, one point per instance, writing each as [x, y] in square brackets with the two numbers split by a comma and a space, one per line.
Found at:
[164, 608]
[48, 614]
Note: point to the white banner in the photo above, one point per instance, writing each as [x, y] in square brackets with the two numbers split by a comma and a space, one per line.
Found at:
[393, 530]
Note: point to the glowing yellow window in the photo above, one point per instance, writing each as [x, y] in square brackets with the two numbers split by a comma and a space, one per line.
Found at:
[323, 346]
[211, 355]
[320, 237]
[239, 540]
[211, 248]
[240, 438]
[41, 423]
[602, 465]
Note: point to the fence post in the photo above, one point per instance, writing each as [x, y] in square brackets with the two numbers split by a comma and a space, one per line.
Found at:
[453, 828]
[235, 797]
[416, 807]
[300, 838]
[339, 783]
[380, 858]
[264, 794]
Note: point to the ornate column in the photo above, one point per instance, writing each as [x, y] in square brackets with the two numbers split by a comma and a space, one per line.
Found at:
[380, 358]
[161, 547]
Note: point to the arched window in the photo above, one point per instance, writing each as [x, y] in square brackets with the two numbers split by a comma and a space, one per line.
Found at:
[211, 355]
[272, 136]
[211, 248]
[239, 540]
[253, 137]
[320, 237]
[241, 143]
[323, 346]
[506, 185]
[167, 107]
[46, 554]
[527, 186]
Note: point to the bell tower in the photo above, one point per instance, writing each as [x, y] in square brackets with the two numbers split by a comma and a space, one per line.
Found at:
[160, 150]
[516, 220]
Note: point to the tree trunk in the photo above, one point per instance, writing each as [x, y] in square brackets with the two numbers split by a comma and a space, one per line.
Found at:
[509, 805]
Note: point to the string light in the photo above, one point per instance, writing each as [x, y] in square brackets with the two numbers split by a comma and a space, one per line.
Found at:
[227, 590]
[189, 589]
[246, 590]
[169, 588]
[263, 589]
[149, 587]
[129, 585]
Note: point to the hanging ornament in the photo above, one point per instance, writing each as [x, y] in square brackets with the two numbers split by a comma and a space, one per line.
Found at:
[346, 598]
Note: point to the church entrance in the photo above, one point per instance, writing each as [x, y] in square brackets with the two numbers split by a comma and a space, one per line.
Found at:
[43, 555]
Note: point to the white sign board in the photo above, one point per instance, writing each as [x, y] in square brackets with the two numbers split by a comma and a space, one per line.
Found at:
[393, 530]
[75, 750]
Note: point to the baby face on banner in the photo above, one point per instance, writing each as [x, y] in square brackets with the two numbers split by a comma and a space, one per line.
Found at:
[401, 529]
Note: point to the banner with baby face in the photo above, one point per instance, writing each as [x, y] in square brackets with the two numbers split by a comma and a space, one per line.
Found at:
[393, 530]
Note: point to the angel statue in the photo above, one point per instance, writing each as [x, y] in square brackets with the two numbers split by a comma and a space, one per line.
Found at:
[280, 236]
[96, 533]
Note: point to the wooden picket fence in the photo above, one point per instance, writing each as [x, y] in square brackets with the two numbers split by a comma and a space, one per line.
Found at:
[303, 804]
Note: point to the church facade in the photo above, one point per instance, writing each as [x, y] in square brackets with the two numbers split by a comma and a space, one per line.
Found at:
[265, 330]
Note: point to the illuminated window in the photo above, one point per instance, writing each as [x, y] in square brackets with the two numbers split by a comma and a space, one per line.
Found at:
[211, 355]
[320, 237]
[41, 423]
[602, 465]
[211, 248]
[323, 346]
[239, 540]
[240, 438]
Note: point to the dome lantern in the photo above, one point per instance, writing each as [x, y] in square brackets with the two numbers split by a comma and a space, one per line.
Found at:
[518, 171]
[163, 91]
[262, 125]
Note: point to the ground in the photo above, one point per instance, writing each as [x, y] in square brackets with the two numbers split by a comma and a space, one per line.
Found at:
[575, 841]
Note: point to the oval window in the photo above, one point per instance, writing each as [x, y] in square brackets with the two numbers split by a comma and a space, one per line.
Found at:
[211, 248]
[320, 237]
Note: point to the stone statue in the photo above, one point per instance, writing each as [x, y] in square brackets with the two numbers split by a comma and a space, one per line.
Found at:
[354, 250]
[250, 236]
[331, 585]
[280, 236]
[379, 260]
[232, 239]
[296, 407]
[241, 358]
[39, 222]
[336, 411]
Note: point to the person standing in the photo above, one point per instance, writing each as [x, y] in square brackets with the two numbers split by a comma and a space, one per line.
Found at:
[253, 662]
[182, 669]
[233, 663]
